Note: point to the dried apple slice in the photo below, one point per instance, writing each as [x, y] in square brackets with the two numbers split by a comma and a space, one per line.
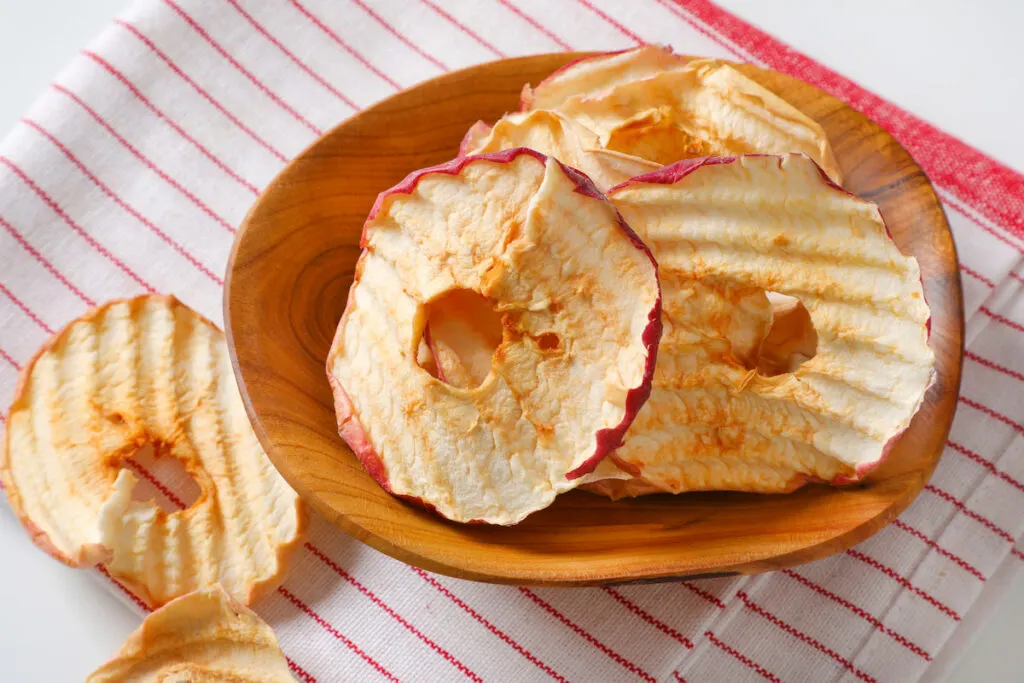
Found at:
[202, 637]
[551, 133]
[514, 259]
[665, 108]
[737, 404]
[134, 373]
[595, 76]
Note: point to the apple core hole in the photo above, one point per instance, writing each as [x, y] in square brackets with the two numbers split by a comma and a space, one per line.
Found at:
[549, 341]
[791, 341]
[461, 334]
[161, 478]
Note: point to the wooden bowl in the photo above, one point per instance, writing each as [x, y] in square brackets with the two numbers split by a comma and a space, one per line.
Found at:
[287, 281]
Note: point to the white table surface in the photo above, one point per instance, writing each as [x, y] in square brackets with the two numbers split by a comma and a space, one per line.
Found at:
[955, 62]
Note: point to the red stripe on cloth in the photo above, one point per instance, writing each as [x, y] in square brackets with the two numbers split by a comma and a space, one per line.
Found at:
[303, 675]
[1018, 278]
[979, 221]
[202, 93]
[962, 507]
[7, 357]
[800, 635]
[1004, 320]
[993, 414]
[462, 27]
[156, 483]
[977, 276]
[393, 31]
[575, 628]
[131, 596]
[241, 69]
[333, 35]
[138, 155]
[860, 612]
[295, 60]
[643, 614]
[746, 661]
[141, 97]
[34, 253]
[903, 581]
[504, 637]
[675, 675]
[1017, 553]
[124, 205]
[994, 189]
[959, 561]
[451, 659]
[534, 23]
[55, 207]
[25, 309]
[308, 611]
[612, 22]
[701, 29]
[713, 599]
[994, 366]
[990, 466]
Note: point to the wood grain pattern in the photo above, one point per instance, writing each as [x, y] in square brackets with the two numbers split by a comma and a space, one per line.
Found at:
[286, 288]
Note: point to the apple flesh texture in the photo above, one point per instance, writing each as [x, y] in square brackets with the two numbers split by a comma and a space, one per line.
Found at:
[826, 394]
[650, 103]
[528, 235]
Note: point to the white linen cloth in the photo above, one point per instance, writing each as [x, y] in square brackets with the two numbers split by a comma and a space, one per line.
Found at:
[132, 172]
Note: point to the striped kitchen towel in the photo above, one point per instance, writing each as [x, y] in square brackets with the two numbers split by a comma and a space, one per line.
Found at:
[133, 171]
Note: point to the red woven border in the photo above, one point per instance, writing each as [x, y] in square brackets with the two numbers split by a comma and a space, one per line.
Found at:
[992, 188]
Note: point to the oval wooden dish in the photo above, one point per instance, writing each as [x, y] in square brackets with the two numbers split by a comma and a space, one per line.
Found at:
[287, 282]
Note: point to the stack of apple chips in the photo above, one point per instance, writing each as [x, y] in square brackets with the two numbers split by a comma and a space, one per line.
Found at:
[649, 279]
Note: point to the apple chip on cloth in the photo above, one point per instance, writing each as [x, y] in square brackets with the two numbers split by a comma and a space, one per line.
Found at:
[134, 373]
[499, 337]
[795, 345]
[202, 637]
[650, 103]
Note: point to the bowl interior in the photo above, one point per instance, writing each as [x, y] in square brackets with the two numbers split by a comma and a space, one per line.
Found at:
[286, 289]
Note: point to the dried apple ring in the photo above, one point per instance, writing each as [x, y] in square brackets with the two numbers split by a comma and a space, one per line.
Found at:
[134, 373]
[760, 392]
[542, 308]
